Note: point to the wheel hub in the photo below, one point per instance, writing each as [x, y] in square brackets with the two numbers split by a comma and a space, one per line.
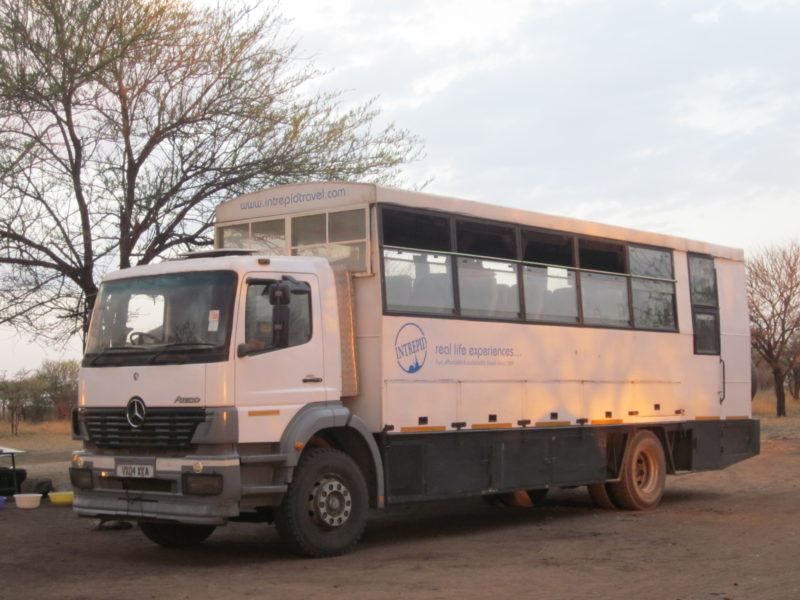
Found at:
[330, 502]
[644, 472]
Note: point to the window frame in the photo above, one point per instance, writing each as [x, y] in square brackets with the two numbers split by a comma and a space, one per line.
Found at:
[705, 309]
[252, 281]
[289, 249]
[519, 234]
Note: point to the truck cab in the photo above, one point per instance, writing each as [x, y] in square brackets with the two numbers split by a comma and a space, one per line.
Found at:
[203, 381]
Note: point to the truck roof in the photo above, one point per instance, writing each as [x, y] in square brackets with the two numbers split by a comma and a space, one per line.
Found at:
[298, 198]
[241, 262]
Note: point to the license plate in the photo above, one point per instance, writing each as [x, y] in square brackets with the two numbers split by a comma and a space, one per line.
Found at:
[137, 471]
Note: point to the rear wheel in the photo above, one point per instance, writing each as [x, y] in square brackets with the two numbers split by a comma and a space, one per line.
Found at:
[324, 512]
[599, 494]
[537, 496]
[641, 483]
[173, 535]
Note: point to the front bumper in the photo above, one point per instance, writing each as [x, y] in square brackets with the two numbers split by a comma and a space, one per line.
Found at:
[159, 496]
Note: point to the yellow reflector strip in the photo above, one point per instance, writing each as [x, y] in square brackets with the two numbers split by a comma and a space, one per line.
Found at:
[737, 418]
[263, 413]
[492, 426]
[423, 428]
[606, 421]
[707, 418]
[553, 423]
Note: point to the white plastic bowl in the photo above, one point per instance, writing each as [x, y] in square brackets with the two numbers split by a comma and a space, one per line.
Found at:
[27, 500]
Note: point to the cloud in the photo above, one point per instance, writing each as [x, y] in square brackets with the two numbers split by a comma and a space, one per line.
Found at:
[706, 16]
[733, 102]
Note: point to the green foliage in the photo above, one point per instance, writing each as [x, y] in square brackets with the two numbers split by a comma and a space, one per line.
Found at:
[50, 392]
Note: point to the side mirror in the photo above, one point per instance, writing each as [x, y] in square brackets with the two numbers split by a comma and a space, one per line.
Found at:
[243, 350]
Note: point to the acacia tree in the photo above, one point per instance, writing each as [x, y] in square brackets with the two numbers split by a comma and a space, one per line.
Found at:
[773, 295]
[124, 122]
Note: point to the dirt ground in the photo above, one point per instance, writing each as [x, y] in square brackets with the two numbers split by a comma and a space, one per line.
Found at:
[732, 534]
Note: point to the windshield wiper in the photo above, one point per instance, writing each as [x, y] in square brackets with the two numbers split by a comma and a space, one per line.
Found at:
[183, 346]
[112, 350]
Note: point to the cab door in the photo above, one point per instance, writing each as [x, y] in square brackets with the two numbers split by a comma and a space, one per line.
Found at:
[279, 360]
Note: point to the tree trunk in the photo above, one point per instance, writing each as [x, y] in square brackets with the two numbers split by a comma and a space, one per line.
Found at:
[780, 393]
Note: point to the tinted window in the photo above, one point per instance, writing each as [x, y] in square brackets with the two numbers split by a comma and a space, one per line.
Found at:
[703, 280]
[488, 288]
[547, 248]
[601, 256]
[308, 230]
[649, 262]
[481, 239]
[414, 230]
[706, 332]
[653, 304]
[418, 282]
[605, 299]
[550, 294]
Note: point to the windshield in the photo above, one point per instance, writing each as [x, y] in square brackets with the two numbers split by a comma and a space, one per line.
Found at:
[177, 317]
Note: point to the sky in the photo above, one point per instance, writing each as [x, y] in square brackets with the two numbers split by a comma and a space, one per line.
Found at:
[679, 117]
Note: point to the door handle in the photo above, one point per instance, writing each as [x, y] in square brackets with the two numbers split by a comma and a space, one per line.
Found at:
[724, 390]
[312, 379]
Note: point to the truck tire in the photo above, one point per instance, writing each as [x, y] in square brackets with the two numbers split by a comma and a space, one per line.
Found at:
[173, 535]
[643, 474]
[599, 494]
[324, 511]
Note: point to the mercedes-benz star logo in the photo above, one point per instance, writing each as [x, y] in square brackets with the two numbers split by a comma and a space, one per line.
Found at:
[135, 412]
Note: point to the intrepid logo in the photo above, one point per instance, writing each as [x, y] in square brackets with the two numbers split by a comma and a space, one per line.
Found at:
[185, 400]
[411, 347]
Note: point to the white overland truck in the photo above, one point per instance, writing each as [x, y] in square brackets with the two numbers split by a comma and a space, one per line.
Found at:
[348, 346]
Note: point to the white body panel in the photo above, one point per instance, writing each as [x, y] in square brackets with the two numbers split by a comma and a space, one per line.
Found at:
[552, 374]
[114, 386]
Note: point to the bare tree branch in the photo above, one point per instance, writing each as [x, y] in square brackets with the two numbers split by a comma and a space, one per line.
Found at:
[773, 295]
[124, 122]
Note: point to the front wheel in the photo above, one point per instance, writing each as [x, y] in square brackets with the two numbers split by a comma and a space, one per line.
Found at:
[173, 535]
[324, 512]
[641, 482]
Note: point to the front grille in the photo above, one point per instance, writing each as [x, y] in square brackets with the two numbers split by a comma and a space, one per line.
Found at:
[162, 427]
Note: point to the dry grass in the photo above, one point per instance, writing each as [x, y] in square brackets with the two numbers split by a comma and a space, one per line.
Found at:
[773, 427]
[46, 436]
[56, 435]
[764, 405]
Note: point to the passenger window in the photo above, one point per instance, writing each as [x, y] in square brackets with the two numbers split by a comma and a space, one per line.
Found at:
[233, 236]
[309, 230]
[550, 294]
[547, 248]
[703, 280]
[654, 297]
[605, 299]
[404, 229]
[598, 255]
[488, 288]
[705, 304]
[482, 239]
[418, 282]
[650, 262]
[269, 236]
[260, 315]
[653, 304]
